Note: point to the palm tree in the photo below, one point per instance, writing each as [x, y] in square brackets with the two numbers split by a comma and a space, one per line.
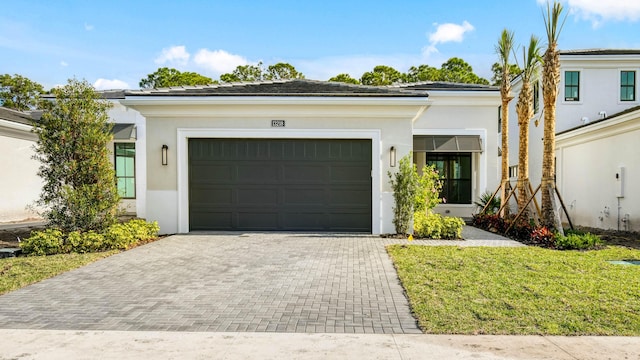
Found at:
[551, 79]
[525, 111]
[503, 49]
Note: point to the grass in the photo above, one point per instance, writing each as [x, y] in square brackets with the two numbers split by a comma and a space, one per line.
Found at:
[523, 291]
[22, 271]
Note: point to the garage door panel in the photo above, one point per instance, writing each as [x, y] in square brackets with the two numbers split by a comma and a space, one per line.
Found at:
[250, 220]
[257, 173]
[220, 196]
[280, 184]
[249, 196]
[207, 220]
[297, 173]
[304, 196]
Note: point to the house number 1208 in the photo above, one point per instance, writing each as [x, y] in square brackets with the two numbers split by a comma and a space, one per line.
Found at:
[277, 123]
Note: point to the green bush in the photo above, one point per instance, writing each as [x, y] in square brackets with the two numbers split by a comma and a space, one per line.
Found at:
[117, 236]
[434, 226]
[46, 242]
[574, 241]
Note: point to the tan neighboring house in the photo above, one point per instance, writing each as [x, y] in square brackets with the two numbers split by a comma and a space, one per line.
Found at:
[19, 181]
[304, 155]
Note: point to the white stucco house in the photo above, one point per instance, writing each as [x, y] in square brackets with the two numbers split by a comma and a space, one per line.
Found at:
[19, 181]
[597, 149]
[300, 155]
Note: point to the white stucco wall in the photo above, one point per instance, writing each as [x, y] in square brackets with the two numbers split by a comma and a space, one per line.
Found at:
[20, 184]
[387, 122]
[599, 91]
[120, 114]
[588, 160]
[466, 113]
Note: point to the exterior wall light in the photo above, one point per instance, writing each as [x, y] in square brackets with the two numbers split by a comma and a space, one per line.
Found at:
[392, 156]
[165, 149]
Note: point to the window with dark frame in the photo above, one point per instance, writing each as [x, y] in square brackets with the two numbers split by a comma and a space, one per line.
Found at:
[499, 119]
[571, 86]
[125, 167]
[456, 171]
[627, 86]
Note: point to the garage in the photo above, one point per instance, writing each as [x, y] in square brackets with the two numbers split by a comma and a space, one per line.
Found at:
[280, 184]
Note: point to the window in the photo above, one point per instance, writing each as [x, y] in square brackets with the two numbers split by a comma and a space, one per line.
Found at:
[455, 169]
[536, 97]
[571, 86]
[627, 86]
[499, 119]
[125, 169]
[513, 171]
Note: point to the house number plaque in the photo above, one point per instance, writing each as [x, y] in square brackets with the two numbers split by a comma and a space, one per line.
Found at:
[277, 123]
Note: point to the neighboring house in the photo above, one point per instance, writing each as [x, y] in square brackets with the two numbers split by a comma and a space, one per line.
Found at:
[302, 154]
[597, 166]
[594, 85]
[19, 181]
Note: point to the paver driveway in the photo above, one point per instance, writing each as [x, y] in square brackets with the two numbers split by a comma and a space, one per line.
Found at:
[225, 282]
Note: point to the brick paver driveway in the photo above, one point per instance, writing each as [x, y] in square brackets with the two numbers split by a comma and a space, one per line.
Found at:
[225, 282]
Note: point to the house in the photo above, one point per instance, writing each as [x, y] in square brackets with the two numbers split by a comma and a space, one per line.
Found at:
[597, 95]
[302, 155]
[19, 181]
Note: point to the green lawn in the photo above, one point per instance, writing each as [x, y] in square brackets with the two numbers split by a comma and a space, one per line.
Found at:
[22, 271]
[528, 290]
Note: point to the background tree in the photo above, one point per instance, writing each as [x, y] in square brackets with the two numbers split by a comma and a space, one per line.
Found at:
[423, 73]
[496, 69]
[282, 71]
[459, 71]
[18, 92]
[524, 109]
[382, 75]
[166, 77]
[344, 78]
[244, 73]
[550, 81]
[79, 190]
[503, 49]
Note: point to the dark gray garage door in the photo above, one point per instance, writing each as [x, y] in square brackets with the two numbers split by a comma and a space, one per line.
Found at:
[280, 184]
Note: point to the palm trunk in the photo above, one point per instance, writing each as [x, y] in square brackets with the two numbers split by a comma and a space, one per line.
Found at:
[505, 150]
[524, 109]
[550, 94]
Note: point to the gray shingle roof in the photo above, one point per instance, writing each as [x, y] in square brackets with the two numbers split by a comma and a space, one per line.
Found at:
[297, 87]
[601, 52]
[446, 86]
[18, 116]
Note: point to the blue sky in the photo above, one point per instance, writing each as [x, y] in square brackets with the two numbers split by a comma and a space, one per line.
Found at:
[114, 44]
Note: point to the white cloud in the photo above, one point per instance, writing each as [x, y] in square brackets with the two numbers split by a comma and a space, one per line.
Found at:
[598, 11]
[218, 61]
[173, 55]
[449, 33]
[63, 63]
[88, 27]
[106, 84]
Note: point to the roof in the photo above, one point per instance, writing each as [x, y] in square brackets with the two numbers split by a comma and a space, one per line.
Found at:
[291, 87]
[446, 86]
[21, 117]
[601, 52]
[629, 110]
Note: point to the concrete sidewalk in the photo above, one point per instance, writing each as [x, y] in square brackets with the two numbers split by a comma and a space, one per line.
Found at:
[54, 344]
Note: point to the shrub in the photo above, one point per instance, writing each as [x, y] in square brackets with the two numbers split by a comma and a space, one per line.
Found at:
[541, 235]
[46, 242]
[490, 222]
[434, 226]
[494, 205]
[521, 231]
[574, 241]
[117, 236]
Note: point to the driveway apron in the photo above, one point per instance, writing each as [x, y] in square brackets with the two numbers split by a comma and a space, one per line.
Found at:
[232, 282]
